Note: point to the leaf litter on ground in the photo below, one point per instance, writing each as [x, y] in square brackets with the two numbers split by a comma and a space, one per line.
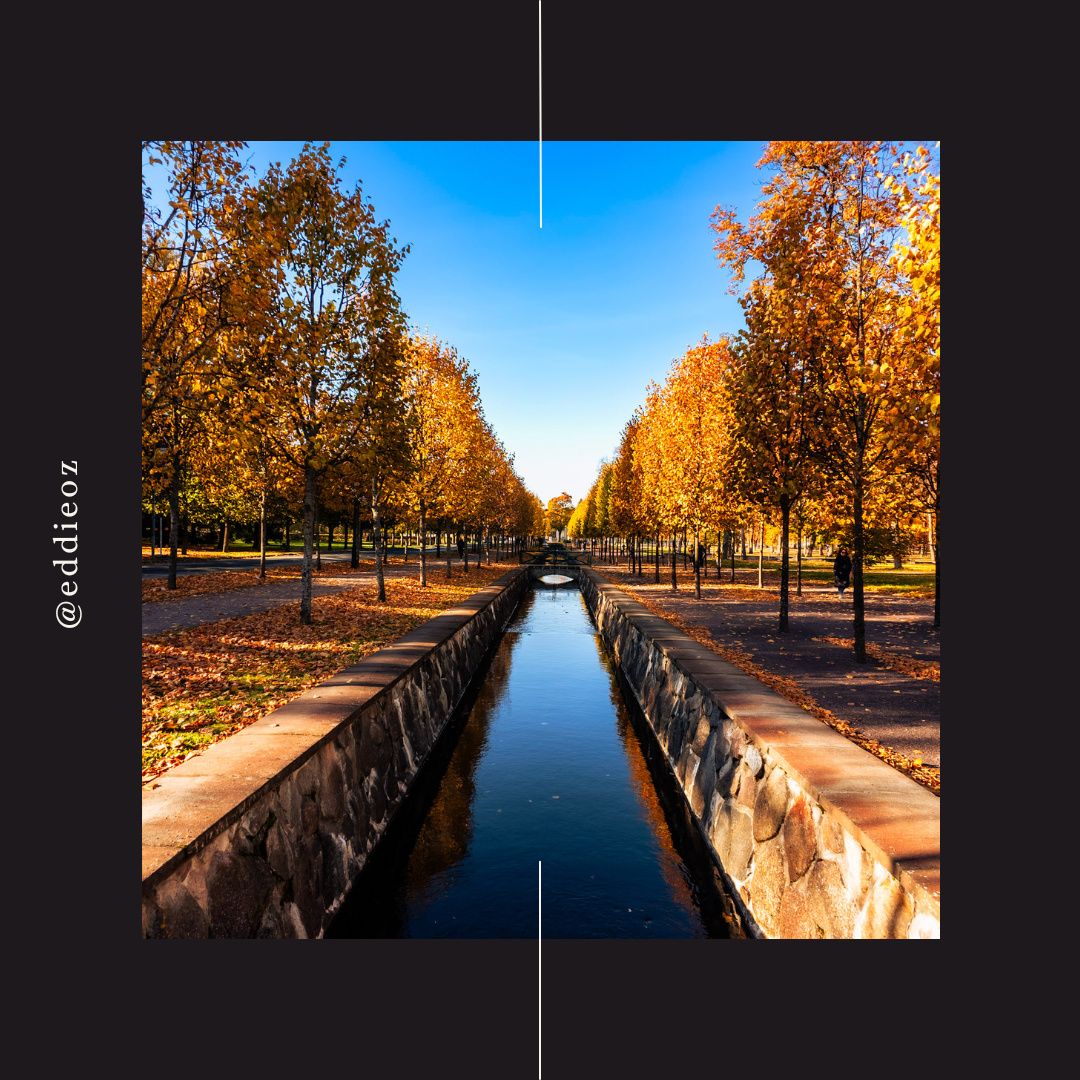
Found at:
[203, 683]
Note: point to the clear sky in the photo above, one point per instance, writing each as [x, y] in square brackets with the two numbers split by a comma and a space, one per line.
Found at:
[565, 325]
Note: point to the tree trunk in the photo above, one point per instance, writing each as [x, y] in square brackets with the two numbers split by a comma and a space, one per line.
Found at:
[174, 519]
[376, 537]
[697, 566]
[310, 479]
[674, 579]
[262, 536]
[785, 517]
[286, 545]
[224, 535]
[798, 571]
[354, 562]
[656, 556]
[423, 546]
[937, 571]
[318, 537]
[761, 555]
[857, 568]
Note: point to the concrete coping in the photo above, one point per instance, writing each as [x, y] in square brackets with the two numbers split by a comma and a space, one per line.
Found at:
[191, 804]
[896, 820]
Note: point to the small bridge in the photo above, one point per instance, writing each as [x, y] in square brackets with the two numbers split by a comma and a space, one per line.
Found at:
[554, 565]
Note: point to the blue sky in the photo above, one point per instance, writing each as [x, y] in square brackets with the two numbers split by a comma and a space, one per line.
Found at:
[566, 324]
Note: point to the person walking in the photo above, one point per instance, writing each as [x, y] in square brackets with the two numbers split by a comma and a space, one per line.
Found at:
[842, 571]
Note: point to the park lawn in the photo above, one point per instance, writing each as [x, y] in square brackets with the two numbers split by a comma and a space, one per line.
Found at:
[203, 683]
[234, 552]
[915, 580]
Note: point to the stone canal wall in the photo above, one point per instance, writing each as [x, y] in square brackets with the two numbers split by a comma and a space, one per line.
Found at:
[264, 833]
[816, 837]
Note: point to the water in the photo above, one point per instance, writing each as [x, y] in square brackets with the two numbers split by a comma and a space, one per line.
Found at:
[546, 767]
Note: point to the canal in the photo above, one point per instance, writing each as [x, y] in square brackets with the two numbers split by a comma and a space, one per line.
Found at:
[542, 812]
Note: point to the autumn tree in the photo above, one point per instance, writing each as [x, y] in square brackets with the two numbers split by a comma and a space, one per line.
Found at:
[770, 390]
[558, 513]
[919, 259]
[825, 233]
[441, 399]
[329, 317]
[191, 288]
[627, 504]
[684, 442]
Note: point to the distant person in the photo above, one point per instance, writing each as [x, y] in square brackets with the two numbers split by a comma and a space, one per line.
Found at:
[842, 571]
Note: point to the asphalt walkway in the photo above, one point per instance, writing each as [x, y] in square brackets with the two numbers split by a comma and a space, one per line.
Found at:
[161, 616]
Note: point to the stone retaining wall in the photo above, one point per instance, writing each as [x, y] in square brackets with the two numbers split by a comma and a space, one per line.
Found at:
[816, 837]
[264, 833]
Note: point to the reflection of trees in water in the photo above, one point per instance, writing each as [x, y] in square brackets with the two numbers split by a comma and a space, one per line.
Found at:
[444, 837]
[645, 790]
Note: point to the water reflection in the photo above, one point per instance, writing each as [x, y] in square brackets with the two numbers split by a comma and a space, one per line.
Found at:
[546, 767]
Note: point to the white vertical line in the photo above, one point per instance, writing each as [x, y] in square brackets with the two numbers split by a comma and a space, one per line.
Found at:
[540, 91]
[539, 997]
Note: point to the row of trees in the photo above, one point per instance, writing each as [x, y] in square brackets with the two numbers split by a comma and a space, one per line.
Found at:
[277, 366]
[824, 412]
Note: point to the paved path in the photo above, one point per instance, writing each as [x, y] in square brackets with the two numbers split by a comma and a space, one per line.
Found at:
[899, 711]
[210, 564]
[163, 615]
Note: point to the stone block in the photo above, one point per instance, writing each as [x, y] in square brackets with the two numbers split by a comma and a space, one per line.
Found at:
[747, 786]
[770, 806]
[705, 777]
[754, 760]
[180, 914]
[237, 887]
[702, 731]
[153, 925]
[832, 834]
[305, 894]
[740, 842]
[800, 845]
[309, 813]
[888, 909]
[832, 905]
[279, 850]
[725, 775]
[273, 925]
[796, 918]
[767, 887]
[720, 829]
